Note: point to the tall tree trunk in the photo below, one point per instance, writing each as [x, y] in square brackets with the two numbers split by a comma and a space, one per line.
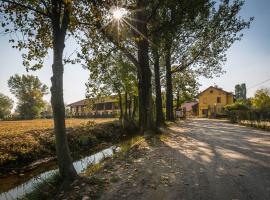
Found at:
[159, 113]
[66, 168]
[178, 100]
[129, 106]
[134, 107]
[145, 87]
[120, 106]
[126, 106]
[169, 92]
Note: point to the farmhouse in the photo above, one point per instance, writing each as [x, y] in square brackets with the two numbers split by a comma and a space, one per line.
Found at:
[212, 101]
[95, 107]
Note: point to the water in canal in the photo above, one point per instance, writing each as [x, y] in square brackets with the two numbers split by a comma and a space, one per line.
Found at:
[26, 183]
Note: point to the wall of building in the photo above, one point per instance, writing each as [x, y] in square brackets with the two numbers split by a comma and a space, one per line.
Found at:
[208, 101]
[105, 108]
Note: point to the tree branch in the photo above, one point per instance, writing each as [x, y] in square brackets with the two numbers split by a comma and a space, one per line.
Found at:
[27, 7]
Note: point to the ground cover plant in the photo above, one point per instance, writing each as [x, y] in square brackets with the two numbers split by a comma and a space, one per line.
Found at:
[23, 142]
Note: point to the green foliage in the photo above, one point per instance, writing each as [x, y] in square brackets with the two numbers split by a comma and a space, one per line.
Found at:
[251, 115]
[29, 91]
[185, 85]
[200, 33]
[261, 99]
[30, 26]
[251, 110]
[241, 91]
[238, 105]
[6, 105]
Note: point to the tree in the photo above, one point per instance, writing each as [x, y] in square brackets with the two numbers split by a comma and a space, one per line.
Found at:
[201, 39]
[135, 42]
[43, 25]
[241, 91]
[185, 86]
[6, 105]
[29, 91]
[111, 75]
[47, 112]
[171, 16]
[261, 99]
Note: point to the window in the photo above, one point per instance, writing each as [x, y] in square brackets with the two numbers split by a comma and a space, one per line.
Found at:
[211, 91]
[218, 99]
[100, 106]
[108, 106]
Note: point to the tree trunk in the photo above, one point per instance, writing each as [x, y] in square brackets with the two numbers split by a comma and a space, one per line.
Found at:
[126, 106]
[145, 88]
[178, 100]
[129, 106]
[169, 92]
[134, 107]
[60, 26]
[66, 168]
[120, 106]
[159, 113]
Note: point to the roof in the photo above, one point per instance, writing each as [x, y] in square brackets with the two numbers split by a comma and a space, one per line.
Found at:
[78, 103]
[84, 101]
[189, 105]
[217, 88]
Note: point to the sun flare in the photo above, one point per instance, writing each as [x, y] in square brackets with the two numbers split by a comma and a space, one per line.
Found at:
[119, 13]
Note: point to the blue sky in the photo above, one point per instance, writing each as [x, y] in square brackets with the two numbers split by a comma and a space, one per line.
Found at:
[248, 60]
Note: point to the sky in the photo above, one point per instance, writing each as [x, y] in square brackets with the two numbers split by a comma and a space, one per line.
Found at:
[248, 60]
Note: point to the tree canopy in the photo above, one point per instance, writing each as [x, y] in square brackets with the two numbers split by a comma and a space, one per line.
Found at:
[29, 91]
[261, 99]
[6, 104]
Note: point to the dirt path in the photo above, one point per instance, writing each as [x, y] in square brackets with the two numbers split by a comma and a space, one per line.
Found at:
[200, 159]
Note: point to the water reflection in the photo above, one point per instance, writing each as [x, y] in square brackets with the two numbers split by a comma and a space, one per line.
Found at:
[28, 186]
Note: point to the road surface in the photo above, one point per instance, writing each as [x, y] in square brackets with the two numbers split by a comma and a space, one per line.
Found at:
[200, 159]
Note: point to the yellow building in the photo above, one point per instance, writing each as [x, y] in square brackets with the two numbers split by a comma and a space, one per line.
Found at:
[212, 101]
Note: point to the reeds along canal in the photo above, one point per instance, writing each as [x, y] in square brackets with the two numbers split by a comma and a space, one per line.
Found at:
[10, 189]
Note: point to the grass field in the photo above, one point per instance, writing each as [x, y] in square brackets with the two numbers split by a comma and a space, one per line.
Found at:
[17, 127]
[22, 142]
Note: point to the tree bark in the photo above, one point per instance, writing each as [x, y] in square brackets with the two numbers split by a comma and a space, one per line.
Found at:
[120, 106]
[134, 107]
[145, 87]
[129, 106]
[126, 106]
[178, 100]
[159, 112]
[66, 168]
[169, 92]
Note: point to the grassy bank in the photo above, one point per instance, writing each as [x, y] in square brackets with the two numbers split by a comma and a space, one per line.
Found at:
[90, 183]
[264, 125]
[23, 142]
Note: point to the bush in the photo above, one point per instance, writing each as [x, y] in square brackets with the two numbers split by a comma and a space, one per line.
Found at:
[251, 114]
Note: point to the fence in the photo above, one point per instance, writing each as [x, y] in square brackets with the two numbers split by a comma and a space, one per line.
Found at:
[251, 115]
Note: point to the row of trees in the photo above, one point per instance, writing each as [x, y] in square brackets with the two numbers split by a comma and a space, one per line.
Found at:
[123, 47]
